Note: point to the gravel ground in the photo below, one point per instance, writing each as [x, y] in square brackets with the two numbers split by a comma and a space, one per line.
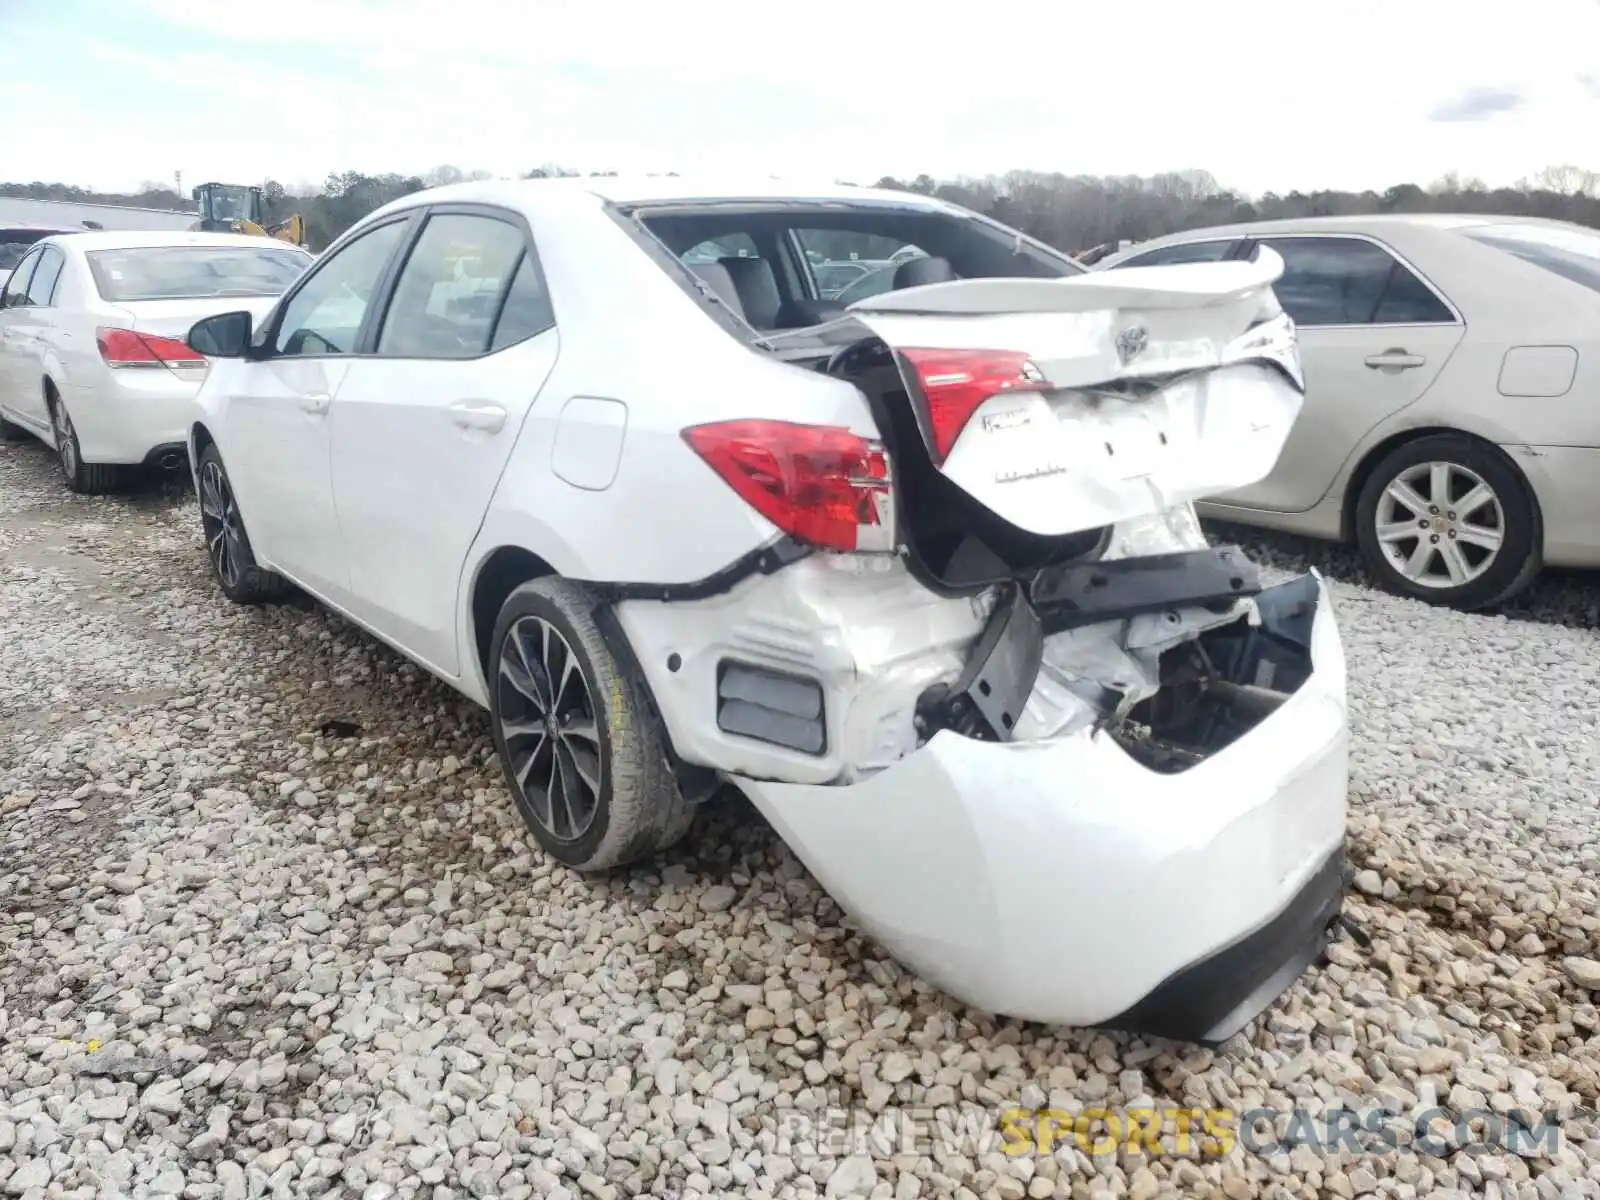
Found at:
[271, 928]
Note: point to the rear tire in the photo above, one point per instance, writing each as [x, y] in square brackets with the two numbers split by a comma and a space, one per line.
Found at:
[87, 479]
[1449, 520]
[232, 560]
[582, 747]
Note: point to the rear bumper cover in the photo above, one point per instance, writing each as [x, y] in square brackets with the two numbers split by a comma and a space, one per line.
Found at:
[1061, 881]
[134, 415]
[1211, 1000]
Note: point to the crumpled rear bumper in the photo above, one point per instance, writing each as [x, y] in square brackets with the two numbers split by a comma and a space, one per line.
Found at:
[1062, 881]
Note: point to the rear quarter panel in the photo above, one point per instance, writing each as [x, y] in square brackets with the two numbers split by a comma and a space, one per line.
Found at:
[1507, 303]
[635, 341]
[1504, 303]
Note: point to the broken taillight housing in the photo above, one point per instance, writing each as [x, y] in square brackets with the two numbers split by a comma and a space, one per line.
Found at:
[125, 348]
[820, 484]
[955, 384]
[1274, 340]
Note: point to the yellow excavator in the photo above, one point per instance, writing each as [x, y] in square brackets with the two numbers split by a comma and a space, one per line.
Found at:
[236, 208]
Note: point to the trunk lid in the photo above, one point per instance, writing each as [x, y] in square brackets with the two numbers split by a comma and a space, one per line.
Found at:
[1065, 405]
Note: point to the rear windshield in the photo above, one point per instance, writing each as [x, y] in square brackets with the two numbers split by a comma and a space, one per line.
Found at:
[812, 259]
[14, 244]
[1570, 253]
[194, 272]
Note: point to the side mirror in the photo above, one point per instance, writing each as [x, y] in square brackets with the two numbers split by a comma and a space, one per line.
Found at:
[226, 335]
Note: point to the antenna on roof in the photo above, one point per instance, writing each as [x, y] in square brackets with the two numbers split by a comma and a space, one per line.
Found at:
[94, 225]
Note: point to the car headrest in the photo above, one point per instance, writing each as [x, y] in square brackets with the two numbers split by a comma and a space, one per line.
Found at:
[918, 272]
[758, 289]
[715, 276]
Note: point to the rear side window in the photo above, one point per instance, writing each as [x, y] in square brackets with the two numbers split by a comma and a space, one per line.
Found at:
[1570, 253]
[194, 272]
[43, 284]
[17, 285]
[1351, 281]
[1187, 252]
[465, 276]
[735, 245]
[527, 309]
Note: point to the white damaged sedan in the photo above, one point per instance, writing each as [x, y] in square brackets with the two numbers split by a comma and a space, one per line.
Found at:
[920, 576]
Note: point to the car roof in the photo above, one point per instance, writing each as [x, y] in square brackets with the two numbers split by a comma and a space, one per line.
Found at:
[665, 189]
[132, 239]
[1376, 224]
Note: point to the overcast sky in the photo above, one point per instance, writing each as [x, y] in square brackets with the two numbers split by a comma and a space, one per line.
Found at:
[1265, 94]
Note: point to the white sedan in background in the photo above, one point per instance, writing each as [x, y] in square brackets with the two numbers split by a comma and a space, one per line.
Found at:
[92, 357]
[921, 578]
[1452, 419]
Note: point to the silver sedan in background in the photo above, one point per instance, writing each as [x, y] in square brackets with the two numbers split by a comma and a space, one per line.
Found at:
[1452, 420]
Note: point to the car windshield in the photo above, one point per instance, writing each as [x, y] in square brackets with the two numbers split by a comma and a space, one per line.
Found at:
[194, 272]
[795, 264]
[1572, 253]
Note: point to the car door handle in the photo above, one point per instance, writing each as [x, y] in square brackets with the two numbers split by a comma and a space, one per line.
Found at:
[1395, 359]
[490, 418]
[316, 404]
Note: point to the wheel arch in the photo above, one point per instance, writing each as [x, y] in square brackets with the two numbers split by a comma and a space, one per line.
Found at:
[501, 572]
[199, 438]
[1362, 471]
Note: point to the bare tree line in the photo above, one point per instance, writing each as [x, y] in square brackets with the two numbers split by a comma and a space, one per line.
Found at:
[1071, 212]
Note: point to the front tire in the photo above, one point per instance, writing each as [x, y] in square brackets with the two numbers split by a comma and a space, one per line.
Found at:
[1447, 519]
[87, 479]
[583, 750]
[233, 562]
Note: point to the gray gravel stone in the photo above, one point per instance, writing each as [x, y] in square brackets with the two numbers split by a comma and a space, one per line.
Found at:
[242, 958]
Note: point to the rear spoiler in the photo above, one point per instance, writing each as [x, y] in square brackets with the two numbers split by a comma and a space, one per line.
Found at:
[1185, 285]
[1087, 330]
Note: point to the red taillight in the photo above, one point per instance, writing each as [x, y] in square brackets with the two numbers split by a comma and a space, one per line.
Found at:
[957, 382]
[125, 348]
[821, 484]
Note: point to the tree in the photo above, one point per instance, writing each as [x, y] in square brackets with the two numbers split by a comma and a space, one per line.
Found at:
[1072, 212]
[1567, 180]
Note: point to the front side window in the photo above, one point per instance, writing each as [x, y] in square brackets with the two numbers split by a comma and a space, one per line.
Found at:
[43, 284]
[1570, 252]
[17, 284]
[194, 272]
[735, 245]
[1185, 252]
[833, 277]
[842, 260]
[325, 315]
[1350, 281]
[459, 275]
